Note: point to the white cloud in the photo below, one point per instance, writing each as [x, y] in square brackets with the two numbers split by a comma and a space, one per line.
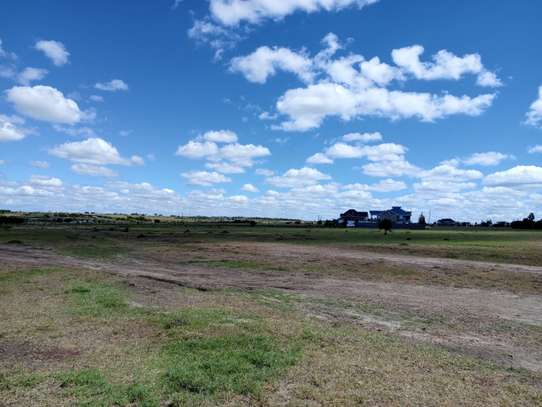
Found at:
[76, 131]
[93, 151]
[112, 86]
[96, 98]
[488, 79]
[40, 164]
[534, 115]
[319, 158]
[239, 199]
[343, 150]
[395, 168]
[445, 65]
[54, 50]
[233, 12]
[229, 158]
[388, 185]
[352, 87]
[45, 181]
[295, 178]
[535, 149]
[250, 188]
[93, 170]
[519, 176]
[225, 167]
[486, 159]
[363, 137]
[205, 178]
[264, 62]
[29, 75]
[45, 103]
[10, 129]
[221, 136]
[217, 37]
[308, 107]
[195, 149]
[264, 172]
[5, 54]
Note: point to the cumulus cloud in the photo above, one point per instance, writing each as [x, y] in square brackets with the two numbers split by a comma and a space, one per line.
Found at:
[220, 136]
[45, 181]
[352, 87]
[233, 12]
[363, 137]
[308, 107]
[10, 128]
[40, 164]
[250, 188]
[319, 158]
[93, 170]
[535, 149]
[6, 54]
[28, 75]
[488, 159]
[519, 176]
[205, 178]
[113, 85]
[45, 103]
[534, 115]
[54, 50]
[96, 98]
[93, 151]
[298, 178]
[445, 65]
[264, 63]
[218, 38]
[222, 151]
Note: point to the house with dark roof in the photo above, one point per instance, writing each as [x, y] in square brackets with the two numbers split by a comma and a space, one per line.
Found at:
[352, 218]
[396, 215]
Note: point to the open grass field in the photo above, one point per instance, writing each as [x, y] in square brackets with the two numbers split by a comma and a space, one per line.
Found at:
[212, 315]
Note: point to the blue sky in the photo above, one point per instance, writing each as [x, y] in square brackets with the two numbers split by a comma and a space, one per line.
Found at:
[286, 108]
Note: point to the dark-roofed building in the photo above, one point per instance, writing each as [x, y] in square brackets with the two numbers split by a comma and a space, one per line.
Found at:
[353, 218]
[396, 214]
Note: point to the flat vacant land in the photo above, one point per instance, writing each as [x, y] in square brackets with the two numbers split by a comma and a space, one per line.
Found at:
[214, 315]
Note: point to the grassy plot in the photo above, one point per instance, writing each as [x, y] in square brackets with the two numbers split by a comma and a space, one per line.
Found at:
[509, 246]
[218, 348]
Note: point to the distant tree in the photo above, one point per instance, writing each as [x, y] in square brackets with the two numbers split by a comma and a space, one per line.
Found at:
[385, 225]
[531, 217]
[421, 220]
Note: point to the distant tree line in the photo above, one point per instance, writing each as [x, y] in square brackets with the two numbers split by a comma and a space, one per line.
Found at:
[528, 223]
[11, 220]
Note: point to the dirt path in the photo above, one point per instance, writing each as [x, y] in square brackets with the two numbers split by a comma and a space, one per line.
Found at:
[477, 306]
[283, 250]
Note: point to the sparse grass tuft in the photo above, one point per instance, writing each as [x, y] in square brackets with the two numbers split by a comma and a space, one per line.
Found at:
[97, 299]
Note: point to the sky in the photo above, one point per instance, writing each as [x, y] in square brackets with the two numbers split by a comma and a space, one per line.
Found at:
[283, 108]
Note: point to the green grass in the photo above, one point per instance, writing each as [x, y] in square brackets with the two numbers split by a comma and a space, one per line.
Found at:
[97, 299]
[90, 388]
[232, 363]
[25, 276]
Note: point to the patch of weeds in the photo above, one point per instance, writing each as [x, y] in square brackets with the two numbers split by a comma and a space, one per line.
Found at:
[25, 275]
[20, 380]
[98, 299]
[197, 320]
[91, 388]
[103, 250]
[233, 363]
